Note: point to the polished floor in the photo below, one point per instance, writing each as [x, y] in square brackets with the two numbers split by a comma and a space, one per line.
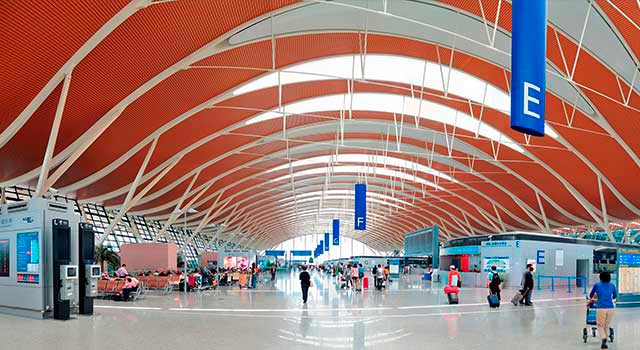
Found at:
[410, 314]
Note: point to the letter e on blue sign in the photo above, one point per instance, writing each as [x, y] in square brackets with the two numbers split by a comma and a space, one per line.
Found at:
[540, 257]
[528, 65]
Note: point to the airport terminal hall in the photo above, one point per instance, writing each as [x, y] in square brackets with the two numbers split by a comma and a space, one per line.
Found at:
[320, 174]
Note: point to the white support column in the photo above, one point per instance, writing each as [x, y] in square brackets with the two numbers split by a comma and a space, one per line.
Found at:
[53, 137]
[136, 232]
[544, 216]
[79, 151]
[176, 211]
[605, 217]
[141, 194]
[127, 201]
[206, 215]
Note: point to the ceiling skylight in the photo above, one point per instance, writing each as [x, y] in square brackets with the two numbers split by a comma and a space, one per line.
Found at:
[391, 103]
[389, 68]
[331, 194]
[343, 198]
[368, 159]
[371, 171]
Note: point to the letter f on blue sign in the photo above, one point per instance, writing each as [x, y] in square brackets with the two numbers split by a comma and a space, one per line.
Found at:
[360, 218]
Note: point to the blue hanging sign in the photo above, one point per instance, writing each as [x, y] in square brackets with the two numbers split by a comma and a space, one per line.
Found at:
[336, 232]
[528, 65]
[360, 219]
[326, 241]
[274, 253]
[301, 253]
[321, 247]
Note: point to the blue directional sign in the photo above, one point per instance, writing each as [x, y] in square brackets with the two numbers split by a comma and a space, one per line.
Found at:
[528, 65]
[360, 219]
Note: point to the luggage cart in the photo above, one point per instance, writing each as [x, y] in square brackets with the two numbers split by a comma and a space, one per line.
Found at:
[592, 323]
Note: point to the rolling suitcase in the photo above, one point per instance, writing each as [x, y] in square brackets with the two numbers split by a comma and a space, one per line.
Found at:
[453, 298]
[493, 300]
[365, 282]
[517, 299]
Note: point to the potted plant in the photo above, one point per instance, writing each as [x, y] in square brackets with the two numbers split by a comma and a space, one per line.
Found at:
[108, 256]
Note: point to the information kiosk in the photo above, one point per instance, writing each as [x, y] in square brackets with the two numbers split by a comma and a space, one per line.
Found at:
[628, 277]
[28, 277]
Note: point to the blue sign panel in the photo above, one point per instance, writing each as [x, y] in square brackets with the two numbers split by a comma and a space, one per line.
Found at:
[461, 250]
[28, 252]
[540, 257]
[629, 259]
[528, 65]
[301, 253]
[326, 241]
[360, 219]
[336, 233]
[274, 253]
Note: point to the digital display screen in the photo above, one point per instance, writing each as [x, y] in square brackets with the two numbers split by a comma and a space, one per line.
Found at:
[5, 258]
[28, 252]
[629, 280]
[62, 236]
[71, 272]
[629, 259]
[28, 278]
[95, 272]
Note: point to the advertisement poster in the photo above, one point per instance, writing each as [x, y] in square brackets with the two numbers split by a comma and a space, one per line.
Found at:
[559, 257]
[500, 262]
[243, 262]
[5, 258]
[230, 262]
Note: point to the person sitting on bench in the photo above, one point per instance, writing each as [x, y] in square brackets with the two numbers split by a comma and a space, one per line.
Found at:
[130, 286]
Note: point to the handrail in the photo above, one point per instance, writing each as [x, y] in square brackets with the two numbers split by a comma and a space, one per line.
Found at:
[568, 278]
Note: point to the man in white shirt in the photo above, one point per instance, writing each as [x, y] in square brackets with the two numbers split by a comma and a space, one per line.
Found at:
[122, 271]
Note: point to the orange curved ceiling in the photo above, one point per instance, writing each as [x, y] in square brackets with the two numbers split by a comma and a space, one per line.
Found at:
[148, 103]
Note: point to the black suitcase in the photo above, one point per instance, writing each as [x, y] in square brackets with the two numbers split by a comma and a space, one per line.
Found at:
[453, 298]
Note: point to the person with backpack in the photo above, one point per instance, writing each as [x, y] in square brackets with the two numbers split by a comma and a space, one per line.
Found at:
[374, 274]
[603, 293]
[494, 285]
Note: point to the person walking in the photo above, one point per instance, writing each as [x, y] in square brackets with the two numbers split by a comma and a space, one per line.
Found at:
[603, 293]
[354, 277]
[454, 279]
[305, 283]
[494, 285]
[379, 277]
[374, 273]
[527, 285]
[254, 276]
[360, 277]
